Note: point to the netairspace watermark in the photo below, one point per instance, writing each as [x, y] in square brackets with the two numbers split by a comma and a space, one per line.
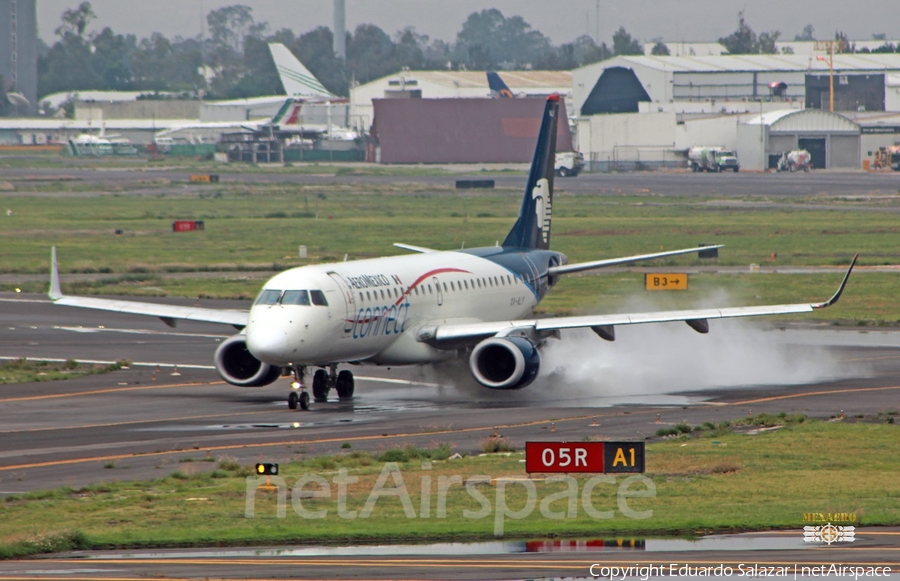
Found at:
[645, 572]
[390, 483]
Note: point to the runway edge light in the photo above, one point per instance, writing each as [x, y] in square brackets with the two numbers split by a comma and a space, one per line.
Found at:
[267, 469]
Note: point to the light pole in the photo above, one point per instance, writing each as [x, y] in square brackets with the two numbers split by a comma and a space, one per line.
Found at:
[762, 144]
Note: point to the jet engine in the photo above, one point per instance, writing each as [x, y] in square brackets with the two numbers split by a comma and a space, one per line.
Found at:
[238, 366]
[505, 362]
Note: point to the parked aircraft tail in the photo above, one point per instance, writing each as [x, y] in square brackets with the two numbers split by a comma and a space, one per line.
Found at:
[288, 114]
[532, 229]
[498, 87]
[296, 78]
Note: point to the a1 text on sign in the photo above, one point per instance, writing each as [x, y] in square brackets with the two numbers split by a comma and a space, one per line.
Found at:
[588, 457]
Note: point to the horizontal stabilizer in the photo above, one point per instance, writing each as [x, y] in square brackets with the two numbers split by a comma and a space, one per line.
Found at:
[421, 249]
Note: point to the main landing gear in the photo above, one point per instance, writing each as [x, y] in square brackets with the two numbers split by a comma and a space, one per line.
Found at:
[323, 381]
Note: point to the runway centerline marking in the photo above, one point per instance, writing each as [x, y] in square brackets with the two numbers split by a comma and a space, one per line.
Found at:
[812, 393]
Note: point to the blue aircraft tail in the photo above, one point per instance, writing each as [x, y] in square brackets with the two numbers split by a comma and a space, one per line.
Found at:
[498, 87]
[532, 229]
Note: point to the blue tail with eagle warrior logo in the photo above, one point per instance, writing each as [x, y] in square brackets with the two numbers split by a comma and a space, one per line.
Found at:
[532, 229]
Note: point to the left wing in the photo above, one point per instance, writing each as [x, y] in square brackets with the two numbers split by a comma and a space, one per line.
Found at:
[581, 266]
[168, 313]
[604, 325]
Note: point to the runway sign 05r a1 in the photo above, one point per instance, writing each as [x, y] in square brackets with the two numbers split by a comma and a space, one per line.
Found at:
[590, 457]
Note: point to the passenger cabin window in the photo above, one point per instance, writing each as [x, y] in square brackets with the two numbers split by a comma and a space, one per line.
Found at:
[295, 297]
[268, 297]
[318, 298]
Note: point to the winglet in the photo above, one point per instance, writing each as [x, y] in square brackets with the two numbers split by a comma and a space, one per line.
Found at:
[840, 290]
[55, 292]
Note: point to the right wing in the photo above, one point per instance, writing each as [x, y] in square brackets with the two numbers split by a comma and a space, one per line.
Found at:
[452, 336]
[168, 313]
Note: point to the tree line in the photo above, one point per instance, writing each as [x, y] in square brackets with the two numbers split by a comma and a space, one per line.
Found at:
[231, 60]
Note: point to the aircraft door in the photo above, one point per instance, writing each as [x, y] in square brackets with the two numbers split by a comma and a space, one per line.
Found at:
[440, 293]
[348, 303]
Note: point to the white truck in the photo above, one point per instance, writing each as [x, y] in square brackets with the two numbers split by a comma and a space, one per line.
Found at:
[569, 163]
[713, 159]
[794, 160]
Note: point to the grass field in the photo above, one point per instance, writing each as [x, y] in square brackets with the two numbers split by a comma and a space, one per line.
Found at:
[712, 478]
[259, 227]
[29, 371]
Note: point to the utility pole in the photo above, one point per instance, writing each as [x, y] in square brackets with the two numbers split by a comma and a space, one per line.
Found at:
[828, 45]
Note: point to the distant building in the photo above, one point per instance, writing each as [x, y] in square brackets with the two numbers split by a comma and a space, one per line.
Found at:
[18, 48]
[450, 84]
[646, 111]
[463, 130]
[797, 47]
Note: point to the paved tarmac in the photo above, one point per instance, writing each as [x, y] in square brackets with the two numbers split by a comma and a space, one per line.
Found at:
[757, 555]
[857, 185]
[143, 420]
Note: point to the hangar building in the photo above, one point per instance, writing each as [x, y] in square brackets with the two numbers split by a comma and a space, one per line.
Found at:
[450, 84]
[646, 111]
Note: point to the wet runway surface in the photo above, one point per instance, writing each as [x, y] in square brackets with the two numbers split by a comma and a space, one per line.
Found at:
[146, 418]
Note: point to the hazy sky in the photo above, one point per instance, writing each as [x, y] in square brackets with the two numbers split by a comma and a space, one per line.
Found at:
[561, 20]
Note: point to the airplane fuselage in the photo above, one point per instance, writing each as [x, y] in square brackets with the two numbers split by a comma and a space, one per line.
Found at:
[371, 310]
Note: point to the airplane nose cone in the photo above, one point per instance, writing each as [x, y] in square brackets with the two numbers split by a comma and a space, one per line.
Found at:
[268, 344]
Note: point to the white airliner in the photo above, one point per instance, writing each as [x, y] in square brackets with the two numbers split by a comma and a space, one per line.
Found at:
[420, 308]
[301, 88]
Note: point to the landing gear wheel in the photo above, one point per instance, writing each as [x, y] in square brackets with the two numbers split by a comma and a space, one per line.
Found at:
[293, 399]
[320, 385]
[304, 401]
[345, 384]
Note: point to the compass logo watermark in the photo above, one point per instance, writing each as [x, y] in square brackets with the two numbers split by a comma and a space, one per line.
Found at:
[829, 534]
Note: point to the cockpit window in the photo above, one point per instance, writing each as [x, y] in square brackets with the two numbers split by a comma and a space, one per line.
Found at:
[318, 298]
[268, 297]
[295, 297]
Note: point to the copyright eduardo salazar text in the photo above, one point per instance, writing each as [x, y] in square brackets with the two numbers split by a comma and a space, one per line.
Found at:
[748, 570]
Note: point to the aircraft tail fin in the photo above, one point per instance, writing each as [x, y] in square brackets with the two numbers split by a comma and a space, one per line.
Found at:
[287, 112]
[532, 229]
[296, 78]
[498, 87]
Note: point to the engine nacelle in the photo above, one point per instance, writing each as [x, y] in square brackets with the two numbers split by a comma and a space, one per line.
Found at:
[238, 366]
[505, 362]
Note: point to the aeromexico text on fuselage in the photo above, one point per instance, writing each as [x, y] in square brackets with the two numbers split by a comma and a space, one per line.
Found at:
[384, 320]
[372, 280]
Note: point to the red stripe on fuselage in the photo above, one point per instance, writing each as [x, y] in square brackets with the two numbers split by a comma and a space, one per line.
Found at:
[424, 276]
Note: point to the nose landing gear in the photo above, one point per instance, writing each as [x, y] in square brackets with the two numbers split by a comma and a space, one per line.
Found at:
[298, 396]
